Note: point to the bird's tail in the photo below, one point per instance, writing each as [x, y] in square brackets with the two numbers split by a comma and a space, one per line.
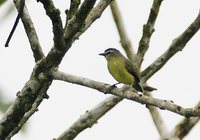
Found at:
[148, 88]
[141, 87]
[138, 87]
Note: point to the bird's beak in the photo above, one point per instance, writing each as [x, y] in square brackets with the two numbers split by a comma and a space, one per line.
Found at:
[103, 54]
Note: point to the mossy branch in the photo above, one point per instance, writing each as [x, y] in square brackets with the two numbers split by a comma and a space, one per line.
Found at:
[74, 4]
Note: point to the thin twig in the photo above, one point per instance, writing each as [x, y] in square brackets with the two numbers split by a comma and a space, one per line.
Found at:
[124, 40]
[148, 30]
[21, 7]
[79, 19]
[74, 4]
[95, 13]
[58, 31]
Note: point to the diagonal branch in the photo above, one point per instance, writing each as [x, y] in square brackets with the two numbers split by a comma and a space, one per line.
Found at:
[95, 13]
[158, 121]
[27, 115]
[30, 31]
[23, 103]
[74, 4]
[89, 118]
[148, 30]
[125, 42]
[54, 15]
[157, 118]
[143, 99]
[184, 127]
[177, 45]
[78, 20]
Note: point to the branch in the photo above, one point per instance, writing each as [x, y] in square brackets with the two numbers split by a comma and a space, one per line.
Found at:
[89, 118]
[31, 32]
[63, 39]
[143, 99]
[78, 20]
[72, 10]
[125, 42]
[36, 86]
[177, 45]
[184, 127]
[54, 15]
[26, 116]
[95, 13]
[148, 30]
[157, 119]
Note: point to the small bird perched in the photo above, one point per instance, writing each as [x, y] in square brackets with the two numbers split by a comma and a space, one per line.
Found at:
[123, 70]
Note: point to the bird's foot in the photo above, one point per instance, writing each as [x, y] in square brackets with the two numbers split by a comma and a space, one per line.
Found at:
[112, 87]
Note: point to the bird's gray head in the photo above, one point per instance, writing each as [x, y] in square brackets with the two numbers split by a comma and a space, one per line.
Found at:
[110, 52]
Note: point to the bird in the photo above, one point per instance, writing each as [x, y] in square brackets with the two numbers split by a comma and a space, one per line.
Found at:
[122, 69]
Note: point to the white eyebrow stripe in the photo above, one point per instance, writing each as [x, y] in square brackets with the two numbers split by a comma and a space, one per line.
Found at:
[109, 51]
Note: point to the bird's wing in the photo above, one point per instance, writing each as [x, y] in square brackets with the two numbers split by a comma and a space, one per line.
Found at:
[132, 69]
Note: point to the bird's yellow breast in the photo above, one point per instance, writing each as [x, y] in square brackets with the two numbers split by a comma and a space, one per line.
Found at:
[119, 72]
